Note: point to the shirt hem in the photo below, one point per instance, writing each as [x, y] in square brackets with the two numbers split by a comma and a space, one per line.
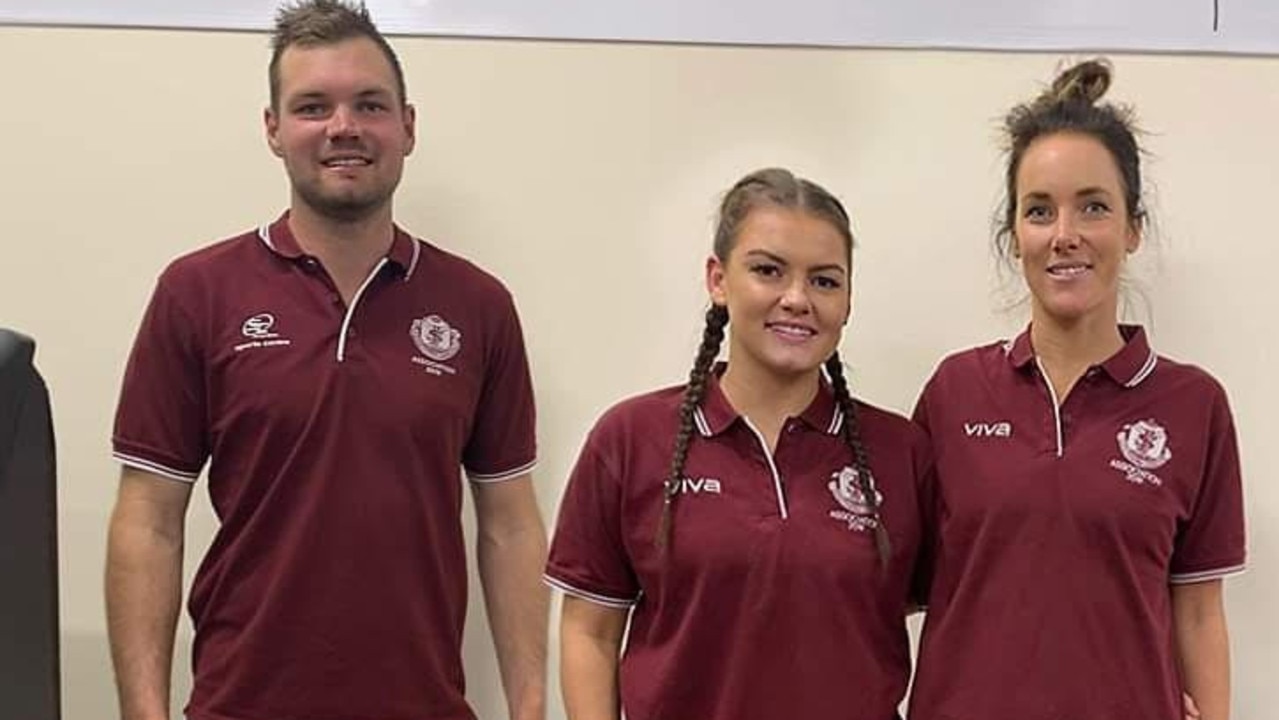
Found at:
[597, 598]
[156, 468]
[1205, 575]
[483, 478]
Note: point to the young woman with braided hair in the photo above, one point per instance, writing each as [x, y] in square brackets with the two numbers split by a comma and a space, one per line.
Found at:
[758, 527]
[1088, 490]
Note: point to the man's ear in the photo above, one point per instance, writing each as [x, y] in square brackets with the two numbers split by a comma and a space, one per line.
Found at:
[410, 127]
[271, 123]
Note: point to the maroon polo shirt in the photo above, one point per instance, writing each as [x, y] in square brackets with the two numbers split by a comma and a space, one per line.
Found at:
[771, 601]
[1061, 530]
[336, 436]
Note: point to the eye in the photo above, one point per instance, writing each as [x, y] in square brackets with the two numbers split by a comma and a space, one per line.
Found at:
[310, 109]
[372, 106]
[1038, 213]
[765, 269]
[1096, 207]
[827, 282]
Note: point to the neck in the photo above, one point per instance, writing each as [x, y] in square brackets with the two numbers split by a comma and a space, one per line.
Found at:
[1067, 350]
[767, 399]
[350, 249]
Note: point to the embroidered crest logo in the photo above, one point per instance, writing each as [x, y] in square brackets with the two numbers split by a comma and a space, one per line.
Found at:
[1144, 444]
[435, 338]
[857, 512]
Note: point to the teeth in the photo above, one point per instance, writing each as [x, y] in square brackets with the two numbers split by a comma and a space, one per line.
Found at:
[1068, 270]
[346, 162]
[792, 330]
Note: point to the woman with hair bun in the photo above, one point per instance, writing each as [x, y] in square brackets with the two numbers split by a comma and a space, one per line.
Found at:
[1088, 490]
[757, 527]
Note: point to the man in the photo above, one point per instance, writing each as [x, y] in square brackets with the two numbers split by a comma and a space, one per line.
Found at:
[336, 373]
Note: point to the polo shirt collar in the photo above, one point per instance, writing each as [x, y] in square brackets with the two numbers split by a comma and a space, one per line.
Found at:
[1133, 363]
[716, 414]
[279, 239]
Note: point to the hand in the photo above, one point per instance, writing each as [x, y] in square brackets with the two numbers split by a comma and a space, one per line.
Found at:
[1192, 710]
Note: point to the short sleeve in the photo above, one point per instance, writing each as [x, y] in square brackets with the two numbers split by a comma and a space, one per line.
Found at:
[1211, 542]
[929, 506]
[588, 557]
[926, 494]
[160, 422]
[920, 414]
[503, 444]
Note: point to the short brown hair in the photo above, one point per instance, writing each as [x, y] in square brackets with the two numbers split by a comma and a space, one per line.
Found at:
[325, 22]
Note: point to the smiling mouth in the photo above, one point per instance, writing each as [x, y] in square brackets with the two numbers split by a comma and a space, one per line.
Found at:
[347, 162]
[1066, 272]
[791, 332]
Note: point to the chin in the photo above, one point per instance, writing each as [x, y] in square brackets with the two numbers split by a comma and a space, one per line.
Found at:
[1069, 314]
[794, 367]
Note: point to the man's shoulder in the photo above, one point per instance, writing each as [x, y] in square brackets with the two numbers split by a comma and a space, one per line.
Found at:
[438, 267]
[227, 255]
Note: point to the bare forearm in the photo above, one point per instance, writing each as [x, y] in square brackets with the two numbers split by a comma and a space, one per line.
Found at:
[1203, 653]
[1205, 668]
[510, 566]
[588, 673]
[143, 595]
[590, 648]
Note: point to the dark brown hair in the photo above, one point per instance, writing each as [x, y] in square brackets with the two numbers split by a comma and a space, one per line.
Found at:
[308, 23]
[771, 187]
[1071, 105]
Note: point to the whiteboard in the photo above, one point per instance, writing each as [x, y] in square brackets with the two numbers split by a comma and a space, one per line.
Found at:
[1219, 26]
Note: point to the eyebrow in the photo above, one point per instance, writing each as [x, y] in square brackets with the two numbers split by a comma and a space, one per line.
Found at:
[321, 95]
[782, 261]
[1084, 192]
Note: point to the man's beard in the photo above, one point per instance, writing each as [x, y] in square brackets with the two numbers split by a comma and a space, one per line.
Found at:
[346, 207]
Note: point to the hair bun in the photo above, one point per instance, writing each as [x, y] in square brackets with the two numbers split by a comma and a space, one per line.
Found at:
[1084, 83]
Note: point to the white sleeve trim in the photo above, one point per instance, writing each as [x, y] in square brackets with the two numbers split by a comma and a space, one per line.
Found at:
[1204, 575]
[156, 468]
[500, 476]
[596, 598]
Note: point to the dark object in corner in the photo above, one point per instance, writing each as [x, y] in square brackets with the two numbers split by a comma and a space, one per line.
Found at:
[29, 659]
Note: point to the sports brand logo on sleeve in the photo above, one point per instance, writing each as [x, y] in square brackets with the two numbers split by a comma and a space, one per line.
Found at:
[856, 511]
[695, 486]
[1002, 429]
[260, 331]
[438, 341]
[1144, 445]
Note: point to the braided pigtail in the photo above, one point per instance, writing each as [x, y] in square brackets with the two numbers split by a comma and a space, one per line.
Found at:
[712, 337]
[861, 461]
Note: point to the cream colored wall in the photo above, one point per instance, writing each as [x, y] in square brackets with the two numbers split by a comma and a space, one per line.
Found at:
[586, 176]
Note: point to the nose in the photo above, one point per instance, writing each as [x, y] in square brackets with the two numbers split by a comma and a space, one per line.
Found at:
[343, 123]
[795, 297]
[1066, 232]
